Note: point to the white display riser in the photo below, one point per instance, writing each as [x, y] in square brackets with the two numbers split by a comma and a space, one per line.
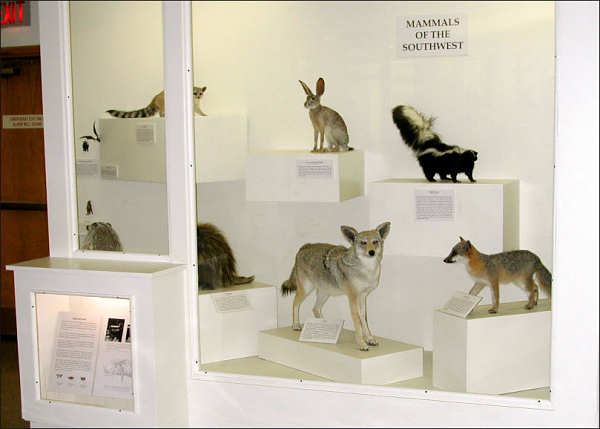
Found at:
[231, 334]
[485, 212]
[305, 176]
[389, 362]
[493, 353]
[221, 148]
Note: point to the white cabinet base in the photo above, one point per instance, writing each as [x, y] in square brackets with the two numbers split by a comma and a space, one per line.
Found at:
[305, 176]
[229, 323]
[389, 362]
[493, 353]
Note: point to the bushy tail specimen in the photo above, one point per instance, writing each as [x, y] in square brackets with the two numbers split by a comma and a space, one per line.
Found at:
[240, 280]
[289, 285]
[146, 112]
[543, 278]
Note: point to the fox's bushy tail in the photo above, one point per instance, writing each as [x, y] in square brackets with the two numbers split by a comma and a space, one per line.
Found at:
[240, 280]
[543, 278]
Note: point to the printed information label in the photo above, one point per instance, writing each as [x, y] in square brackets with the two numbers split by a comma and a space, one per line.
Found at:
[145, 133]
[431, 206]
[229, 302]
[314, 168]
[74, 354]
[86, 168]
[461, 304]
[431, 36]
[22, 121]
[321, 331]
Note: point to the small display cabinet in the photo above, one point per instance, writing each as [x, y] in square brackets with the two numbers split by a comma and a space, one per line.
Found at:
[93, 336]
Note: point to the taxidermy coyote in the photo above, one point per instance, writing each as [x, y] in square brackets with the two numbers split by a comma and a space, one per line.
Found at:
[337, 270]
[520, 267]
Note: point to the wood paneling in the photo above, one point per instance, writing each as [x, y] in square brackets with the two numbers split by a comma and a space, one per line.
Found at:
[22, 150]
[23, 219]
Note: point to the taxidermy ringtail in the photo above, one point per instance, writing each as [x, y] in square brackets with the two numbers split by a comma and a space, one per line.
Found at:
[520, 267]
[434, 155]
[158, 105]
[337, 270]
[326, 122]
[101, 236]
[216, 263]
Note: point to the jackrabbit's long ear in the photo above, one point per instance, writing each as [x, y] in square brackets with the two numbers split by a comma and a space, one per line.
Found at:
[349, 232]
[306, 88]
[384, 229]
[320, 86]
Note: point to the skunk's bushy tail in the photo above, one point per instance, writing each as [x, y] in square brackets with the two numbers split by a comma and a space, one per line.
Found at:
[414, 128]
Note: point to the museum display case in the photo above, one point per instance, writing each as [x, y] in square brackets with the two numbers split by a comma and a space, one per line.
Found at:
[282, 242]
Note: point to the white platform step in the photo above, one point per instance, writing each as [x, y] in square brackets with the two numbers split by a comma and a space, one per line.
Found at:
[485, 212]
[230, 319]
[136, 148]
[493, 353]
[305, 176]
[390, 362]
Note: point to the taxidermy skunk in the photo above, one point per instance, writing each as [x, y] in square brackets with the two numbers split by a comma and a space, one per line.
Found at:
[434, 155]
[216, 263]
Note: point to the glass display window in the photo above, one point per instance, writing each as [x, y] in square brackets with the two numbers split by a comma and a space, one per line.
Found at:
[384, 136]
[84, 350]
[119, 126]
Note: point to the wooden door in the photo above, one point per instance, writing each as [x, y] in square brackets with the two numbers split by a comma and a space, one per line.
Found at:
[23, 218]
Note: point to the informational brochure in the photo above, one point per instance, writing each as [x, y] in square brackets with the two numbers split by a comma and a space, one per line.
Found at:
[114, 375]
[74, 354]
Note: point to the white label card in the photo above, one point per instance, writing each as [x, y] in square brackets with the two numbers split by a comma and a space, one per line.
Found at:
[461, 304]
[321, 331]
[314, 168]
[229, 302]
[431, 35]
[87, 168]
[145, 133]
[432, 205]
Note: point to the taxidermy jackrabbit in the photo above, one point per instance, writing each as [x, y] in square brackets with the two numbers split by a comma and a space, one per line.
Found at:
[327, 122]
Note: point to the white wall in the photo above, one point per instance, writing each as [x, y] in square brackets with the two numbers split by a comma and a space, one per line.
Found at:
[22, 36]
[499, 99]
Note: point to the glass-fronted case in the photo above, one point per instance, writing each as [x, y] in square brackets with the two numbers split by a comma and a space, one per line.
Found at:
[84, 350]
[348, 154]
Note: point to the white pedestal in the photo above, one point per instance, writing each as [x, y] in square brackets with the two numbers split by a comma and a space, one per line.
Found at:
[485, 212]
[390, 362]
[493, 353]
[231, 334]
[305, 176]
[221, 148]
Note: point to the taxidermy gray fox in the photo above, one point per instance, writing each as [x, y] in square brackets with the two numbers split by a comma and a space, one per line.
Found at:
[520, 267]
[337, 270]
[158, 105]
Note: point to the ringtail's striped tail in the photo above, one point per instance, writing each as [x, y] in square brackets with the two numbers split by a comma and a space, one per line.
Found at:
[146, 112]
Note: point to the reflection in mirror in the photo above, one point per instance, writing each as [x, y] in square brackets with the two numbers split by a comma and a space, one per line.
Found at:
[118, 121]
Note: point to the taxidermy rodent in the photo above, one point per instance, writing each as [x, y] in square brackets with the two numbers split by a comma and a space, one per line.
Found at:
[101, 236]
[327, 123]
[216, 263]
[158, 105]
[434, 155]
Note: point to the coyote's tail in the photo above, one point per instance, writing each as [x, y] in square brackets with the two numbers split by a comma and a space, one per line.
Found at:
[240, 280]
[543, 278]
[289, 285]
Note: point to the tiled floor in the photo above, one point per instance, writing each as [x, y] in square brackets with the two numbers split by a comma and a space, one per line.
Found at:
[10, 393]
